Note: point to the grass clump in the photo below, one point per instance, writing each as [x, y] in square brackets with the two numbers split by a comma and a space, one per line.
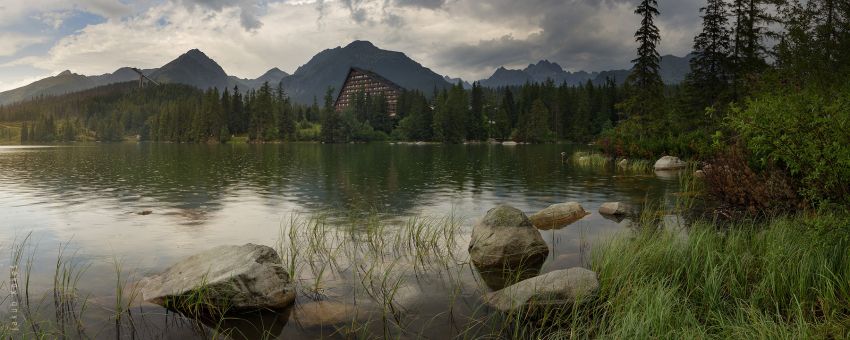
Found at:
[787, 278]
[590, 160]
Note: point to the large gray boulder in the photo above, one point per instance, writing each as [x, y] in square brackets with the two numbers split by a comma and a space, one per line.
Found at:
[225, 278]
[505, 239]
[616, 209]
[560, 288]
[670, 163]
[558, 215]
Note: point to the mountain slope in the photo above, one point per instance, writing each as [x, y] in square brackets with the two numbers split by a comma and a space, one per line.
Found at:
[194, 68]
[273, 77]
[329, 68]
[65, 82]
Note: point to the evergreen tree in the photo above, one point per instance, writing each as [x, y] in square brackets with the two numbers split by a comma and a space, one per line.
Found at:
[25, 133]
[475, 121]
[710, 67]
[748, 47]
[452, 109]
[510, 108]
[645, 76]
[286, 116]
[330, 120]
[537, 128]
[502, 125]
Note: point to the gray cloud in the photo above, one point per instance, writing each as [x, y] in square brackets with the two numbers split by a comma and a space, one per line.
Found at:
[250, 10]
[431, 4]
[578, 34]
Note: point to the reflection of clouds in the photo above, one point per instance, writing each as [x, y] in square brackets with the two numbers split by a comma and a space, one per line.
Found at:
[204, 196]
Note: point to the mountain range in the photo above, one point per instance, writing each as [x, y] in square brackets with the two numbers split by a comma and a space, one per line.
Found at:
[326, 69]
[673, 71]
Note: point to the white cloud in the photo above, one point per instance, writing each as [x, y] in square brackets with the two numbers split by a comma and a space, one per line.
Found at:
[457, 38]
[14, 42]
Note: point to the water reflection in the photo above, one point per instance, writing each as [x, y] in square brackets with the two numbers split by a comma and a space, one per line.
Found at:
[200, 196]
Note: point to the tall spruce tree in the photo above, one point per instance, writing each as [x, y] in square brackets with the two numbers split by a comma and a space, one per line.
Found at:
[25, 133]
[710, 67]
[330, 119]
[645, 77]
[475, 120]
[748, 52]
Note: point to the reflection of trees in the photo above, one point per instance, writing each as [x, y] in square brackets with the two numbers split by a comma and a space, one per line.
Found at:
[376, 177]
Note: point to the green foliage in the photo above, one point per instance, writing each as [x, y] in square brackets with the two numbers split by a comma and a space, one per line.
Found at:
[536, 129]
[629, 139]
[804, 131]
[777, 280]
[450, 115]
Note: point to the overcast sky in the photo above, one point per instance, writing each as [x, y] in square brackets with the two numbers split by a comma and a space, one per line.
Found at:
[459, 38]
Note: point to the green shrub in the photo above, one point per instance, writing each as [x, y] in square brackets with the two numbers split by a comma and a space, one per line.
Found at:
[807, 132]
[629, 140]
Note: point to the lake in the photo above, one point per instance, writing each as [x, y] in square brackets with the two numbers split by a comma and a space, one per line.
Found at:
[147, 205]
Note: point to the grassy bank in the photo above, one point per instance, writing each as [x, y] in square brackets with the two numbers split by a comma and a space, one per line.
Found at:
[783, 279]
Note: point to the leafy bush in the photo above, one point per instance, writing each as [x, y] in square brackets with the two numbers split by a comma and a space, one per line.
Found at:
[629, 140]
[732, 182]
[807, 132]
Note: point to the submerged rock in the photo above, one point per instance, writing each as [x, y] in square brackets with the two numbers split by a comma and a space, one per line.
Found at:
[506, 239]
[558, 215]
[616, 209]
[327, 313]
[560, 288]
[225, 278]
[670, 163]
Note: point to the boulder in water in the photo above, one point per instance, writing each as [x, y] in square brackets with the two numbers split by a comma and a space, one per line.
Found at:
[670, 163]
[560, 288]
[506, 239]
[223, 278]
[558, 215]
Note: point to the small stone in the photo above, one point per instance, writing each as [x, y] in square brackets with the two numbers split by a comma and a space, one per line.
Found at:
[558, 215]
[326, 313]
[615, 208]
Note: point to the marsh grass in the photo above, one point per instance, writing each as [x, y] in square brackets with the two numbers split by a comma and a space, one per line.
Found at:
[774, 280]
[635, 166]
[599, 161]
[592, 160]
[785, 278]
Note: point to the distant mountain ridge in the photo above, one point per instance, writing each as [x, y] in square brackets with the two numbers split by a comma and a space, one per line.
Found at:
[327, 69]
[191, 68]
[673, 71]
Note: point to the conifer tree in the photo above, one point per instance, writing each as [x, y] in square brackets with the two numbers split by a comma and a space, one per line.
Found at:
[475, 120]
[748, 46]
[330, 119]
[25, 133]
[645, 76]
[286, 119]
[710, 67]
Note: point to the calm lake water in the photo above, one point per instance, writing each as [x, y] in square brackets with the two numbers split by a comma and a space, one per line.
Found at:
[148, 205]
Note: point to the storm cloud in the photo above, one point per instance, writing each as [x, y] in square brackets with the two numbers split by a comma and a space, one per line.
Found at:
[459, 38]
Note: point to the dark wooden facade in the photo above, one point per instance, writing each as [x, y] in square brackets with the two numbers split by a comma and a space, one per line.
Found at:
[371, 84]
